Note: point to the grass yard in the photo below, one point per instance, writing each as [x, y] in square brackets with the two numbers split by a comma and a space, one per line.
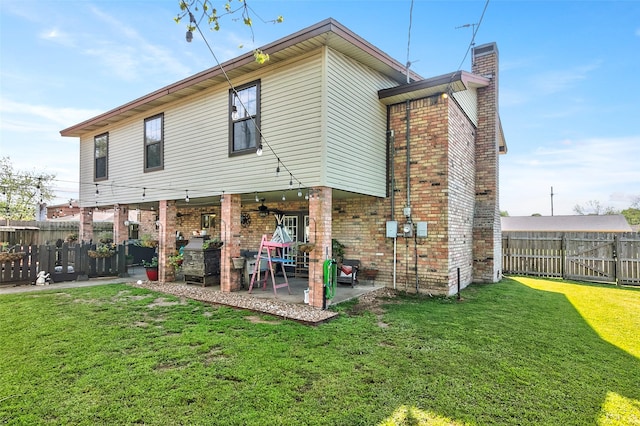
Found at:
[524, 351]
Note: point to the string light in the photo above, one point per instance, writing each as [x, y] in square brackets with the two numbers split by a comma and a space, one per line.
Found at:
[144, 193]
[299, 191]
[222, 197]
[283, 197]
[236, 99]
[257, 199]
[290, 180]
[186, 198]
[97, 191]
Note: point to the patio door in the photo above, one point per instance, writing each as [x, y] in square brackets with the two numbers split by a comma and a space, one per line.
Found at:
[297, 225]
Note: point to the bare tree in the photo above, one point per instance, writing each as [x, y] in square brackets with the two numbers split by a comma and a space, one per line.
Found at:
[22, 191]
[594, 207]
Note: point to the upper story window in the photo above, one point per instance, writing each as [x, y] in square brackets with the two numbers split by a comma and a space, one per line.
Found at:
[153, 143]
[244, 118]
[100, 156]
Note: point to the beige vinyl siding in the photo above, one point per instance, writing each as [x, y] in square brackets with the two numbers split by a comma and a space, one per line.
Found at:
[196, 142]
[468, 101]
[356, 127]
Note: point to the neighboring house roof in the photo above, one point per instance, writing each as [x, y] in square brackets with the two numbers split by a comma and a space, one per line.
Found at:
[325, 33]
[578, 223]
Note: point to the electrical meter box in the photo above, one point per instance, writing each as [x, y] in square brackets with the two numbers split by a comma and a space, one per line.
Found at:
[421, 229]
[392, 229]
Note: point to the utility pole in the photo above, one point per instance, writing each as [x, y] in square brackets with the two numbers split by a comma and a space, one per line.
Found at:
[552, 201]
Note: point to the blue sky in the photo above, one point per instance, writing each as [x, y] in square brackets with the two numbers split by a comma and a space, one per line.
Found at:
[569, 86]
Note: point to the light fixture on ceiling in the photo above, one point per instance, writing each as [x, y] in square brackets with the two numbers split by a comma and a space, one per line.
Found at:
[263, 211]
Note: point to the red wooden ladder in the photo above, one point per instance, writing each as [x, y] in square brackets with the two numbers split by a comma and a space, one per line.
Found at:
[265, 252]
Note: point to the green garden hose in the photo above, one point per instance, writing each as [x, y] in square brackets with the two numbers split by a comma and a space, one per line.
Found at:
[330, 270]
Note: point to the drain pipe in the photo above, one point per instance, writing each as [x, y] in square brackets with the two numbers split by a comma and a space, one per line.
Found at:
[408, 137]
[391, 149]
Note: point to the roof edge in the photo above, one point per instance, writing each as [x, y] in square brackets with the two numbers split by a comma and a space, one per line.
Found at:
[328, 25]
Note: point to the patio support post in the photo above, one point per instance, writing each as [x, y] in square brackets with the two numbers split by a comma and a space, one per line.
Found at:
[320, 207]
[166, 240]
[85, 233]
[120, 230]
[230, 228]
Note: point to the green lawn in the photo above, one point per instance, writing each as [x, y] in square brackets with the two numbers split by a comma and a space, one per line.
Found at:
[524, 351]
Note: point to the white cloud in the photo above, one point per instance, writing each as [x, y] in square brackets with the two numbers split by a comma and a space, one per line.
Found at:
[555, 81]
[130, 55]
[20, 117]
[603, 169]
[57, 36]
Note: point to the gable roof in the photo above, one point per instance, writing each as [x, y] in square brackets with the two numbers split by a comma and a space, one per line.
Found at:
[325, 33]
[577, 223]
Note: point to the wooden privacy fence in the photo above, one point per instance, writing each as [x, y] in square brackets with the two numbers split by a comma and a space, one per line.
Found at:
[45, 232]
[583, 256]
[66, 262]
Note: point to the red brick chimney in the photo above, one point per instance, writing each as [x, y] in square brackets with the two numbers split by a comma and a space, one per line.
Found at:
[487, 235]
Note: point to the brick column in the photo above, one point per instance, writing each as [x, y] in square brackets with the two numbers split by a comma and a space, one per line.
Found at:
[230, 228]
[85, 233]
[166, 240]
[120, 229]
[320, 206]
[487, 237]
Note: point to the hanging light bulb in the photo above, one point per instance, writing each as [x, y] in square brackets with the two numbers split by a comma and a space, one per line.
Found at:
[144, 193]
[222, 197]
[278, 168]
[189, 36]
[259, 150]
[283, 197]
[186, 199]
[290, 180]
[299, 191]
[257, 199]
[306, 196]
[97, 191]
[234, 112]
[70, 203]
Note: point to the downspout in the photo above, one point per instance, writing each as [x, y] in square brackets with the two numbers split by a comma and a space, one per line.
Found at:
[391, 150]
[408, 136]
[408, 139]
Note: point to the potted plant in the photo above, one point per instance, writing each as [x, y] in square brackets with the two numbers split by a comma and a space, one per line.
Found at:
[337, 250]
[151, 268]
[303, 247]
[8, 254]
[176, 260]
[214, 243]
[147, 241]
[102, 251]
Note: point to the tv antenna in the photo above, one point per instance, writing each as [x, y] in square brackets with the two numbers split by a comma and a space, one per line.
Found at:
[473, 31]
